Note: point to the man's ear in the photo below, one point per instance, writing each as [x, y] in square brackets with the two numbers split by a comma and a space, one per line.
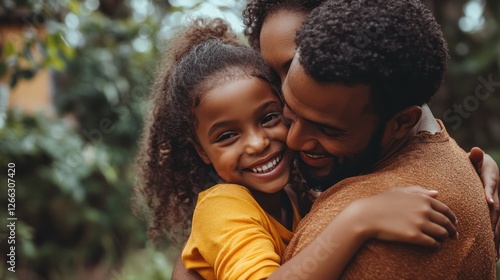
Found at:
[402, 123]
[200, 151]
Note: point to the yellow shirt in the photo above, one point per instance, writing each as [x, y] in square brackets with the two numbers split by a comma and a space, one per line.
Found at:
[232, 237]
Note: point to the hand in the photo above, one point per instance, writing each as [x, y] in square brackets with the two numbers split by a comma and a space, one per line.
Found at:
[487, 169]
[410, 214]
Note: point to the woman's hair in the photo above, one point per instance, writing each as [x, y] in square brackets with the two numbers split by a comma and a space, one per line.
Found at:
[257, 11]
[201, 56]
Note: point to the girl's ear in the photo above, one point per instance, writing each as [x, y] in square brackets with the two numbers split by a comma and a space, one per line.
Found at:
[200, 151]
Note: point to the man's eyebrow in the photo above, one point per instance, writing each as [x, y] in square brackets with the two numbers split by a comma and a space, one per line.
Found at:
[321, 125]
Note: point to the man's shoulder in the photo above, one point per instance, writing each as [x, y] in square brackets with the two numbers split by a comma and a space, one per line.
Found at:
[357, 187]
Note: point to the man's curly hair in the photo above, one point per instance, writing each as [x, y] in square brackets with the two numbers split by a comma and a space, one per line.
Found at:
[170, 172]
[257, 11]
[394, 46]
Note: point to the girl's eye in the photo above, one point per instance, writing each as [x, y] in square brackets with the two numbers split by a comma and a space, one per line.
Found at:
[272, 119]
[225, 136]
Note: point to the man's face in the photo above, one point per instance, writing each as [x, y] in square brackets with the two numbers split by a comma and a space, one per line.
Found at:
[332, 126]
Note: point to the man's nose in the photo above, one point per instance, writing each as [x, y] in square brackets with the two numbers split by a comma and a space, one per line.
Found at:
[300, 138]
[257, 142]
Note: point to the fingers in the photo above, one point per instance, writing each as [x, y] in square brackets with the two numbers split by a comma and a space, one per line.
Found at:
[444, 210]
[490, 187]
[427, 240]
[494, 212]
[497, 239]
[495, 223]
[436, 232]
[476, 156]
[442, 226]
[489, 174]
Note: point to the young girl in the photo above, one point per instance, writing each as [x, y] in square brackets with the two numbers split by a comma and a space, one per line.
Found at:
[217, 117]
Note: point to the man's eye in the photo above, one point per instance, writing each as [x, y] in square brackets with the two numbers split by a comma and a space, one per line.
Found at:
[225, 136]
[329, 131]
[272, 118]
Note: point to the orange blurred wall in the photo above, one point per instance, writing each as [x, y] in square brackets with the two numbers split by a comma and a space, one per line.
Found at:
[33, 95]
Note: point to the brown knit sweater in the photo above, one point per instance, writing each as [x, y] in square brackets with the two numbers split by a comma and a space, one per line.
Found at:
[433, 161]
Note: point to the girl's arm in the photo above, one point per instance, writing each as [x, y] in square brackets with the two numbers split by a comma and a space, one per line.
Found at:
[404, 214]
[487, 169]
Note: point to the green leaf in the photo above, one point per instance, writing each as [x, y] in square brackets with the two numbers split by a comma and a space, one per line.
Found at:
[9, 49]
[74, 7]
[55, 62]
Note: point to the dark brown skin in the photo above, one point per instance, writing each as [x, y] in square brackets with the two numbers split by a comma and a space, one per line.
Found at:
[180, 272]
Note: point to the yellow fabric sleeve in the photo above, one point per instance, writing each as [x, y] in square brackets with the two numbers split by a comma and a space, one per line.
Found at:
[232, 237]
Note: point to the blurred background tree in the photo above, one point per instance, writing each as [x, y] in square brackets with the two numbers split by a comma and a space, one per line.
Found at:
[469, 108]
[74, 148]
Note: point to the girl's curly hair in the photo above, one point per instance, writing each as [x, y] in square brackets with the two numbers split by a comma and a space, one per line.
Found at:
[257, 11]
[171, 174]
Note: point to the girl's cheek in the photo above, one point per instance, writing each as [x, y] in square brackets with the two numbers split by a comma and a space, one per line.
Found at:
[281, 132]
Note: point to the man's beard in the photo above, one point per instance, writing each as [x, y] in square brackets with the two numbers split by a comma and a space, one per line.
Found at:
[359, 164]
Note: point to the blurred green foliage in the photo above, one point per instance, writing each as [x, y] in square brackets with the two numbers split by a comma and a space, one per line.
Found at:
[75, 173]
[472, 30]
[36, 51]
[71, 198]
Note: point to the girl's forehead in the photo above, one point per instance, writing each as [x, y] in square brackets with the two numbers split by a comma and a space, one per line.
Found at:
[231, 76]
[233, 90]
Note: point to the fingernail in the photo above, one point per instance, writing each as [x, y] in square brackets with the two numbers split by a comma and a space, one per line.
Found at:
[491, 199]
[456, 236]
[433, 191]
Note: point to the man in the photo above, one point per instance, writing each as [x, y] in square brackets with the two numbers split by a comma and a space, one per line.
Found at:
[355, 96]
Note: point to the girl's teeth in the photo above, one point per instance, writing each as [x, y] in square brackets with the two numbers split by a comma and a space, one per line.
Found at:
[268, 166]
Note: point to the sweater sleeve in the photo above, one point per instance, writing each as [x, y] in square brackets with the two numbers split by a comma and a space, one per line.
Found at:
[232, 235]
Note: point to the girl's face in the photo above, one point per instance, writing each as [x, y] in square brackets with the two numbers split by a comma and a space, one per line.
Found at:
[241, 132]
[277, 39]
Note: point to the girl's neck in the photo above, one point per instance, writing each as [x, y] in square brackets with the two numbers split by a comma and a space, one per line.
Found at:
[274, 204]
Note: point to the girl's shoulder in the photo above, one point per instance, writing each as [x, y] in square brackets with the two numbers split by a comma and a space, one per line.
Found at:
[226, 193]
[225, 190]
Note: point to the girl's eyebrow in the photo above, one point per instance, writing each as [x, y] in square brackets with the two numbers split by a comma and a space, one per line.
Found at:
[218, 125]
[261, 108]
[266, 105]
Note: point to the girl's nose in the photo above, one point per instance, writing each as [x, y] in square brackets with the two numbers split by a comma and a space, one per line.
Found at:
[257, 143]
